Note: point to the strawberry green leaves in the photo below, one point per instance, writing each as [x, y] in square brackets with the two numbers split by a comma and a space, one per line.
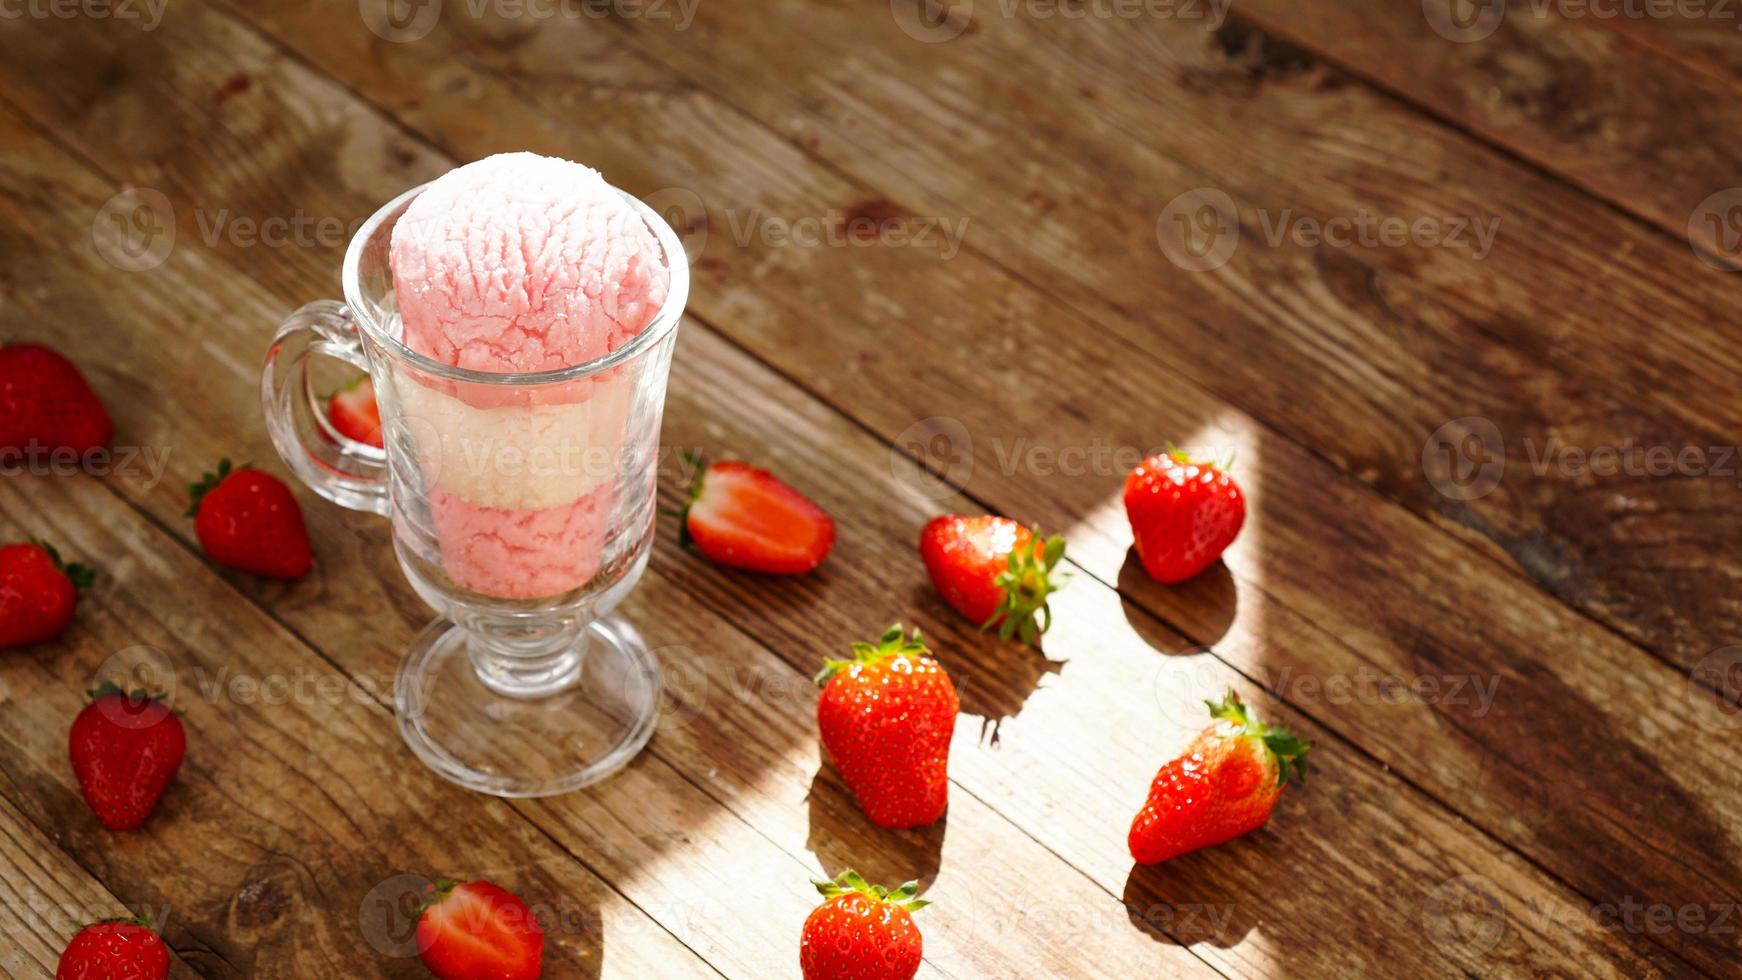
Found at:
[894, 642]
[1030, 576]
[81, 576]
[1285, 747]
[849, 882]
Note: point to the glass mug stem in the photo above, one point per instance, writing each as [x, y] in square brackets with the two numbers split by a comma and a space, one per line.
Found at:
[525, 660]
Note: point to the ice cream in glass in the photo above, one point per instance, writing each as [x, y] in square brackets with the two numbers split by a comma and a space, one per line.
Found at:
[517, 316]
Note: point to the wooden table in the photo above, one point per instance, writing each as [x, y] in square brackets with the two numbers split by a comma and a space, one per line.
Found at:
[1451, 288]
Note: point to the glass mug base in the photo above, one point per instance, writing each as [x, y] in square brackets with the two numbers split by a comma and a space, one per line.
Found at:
[513, 746]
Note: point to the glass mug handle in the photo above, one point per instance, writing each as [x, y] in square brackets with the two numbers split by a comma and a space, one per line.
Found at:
[349, 473]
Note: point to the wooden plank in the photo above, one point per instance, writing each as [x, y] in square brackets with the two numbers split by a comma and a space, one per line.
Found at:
[1579, 95]
[1285, 616]
[675, 850]
[1064, 742]
[1133, 669]
[45, 899]
[1705, 36]
[735, 937]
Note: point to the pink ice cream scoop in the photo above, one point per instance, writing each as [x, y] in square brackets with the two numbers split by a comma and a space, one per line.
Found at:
[521, 263]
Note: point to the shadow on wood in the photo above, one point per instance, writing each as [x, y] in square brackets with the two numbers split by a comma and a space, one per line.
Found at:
[841, 838]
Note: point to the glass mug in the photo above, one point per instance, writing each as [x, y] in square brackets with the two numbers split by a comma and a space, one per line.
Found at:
[522, 511]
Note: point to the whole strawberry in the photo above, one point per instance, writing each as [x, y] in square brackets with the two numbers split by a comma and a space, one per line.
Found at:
[46, 406]
[125, 750]
[116, 949]
[994, 571]
[248, 520]
[478, 931]
[861, 932]
[745, 517]
[886, 718]
[1184, 514]
[1224, 785]
[37, 593]
[353, 412]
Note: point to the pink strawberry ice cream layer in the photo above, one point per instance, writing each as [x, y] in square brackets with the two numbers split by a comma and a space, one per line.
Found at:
[521, 554]
[522, 263]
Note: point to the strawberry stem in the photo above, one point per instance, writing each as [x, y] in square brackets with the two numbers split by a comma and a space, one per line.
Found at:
[143, 921]
[684, 538]
[850, 882]
[208, 482]
[1184, 458]
[1030, 576]
[1287, 749]
[892, 643]
[438, 891]
[110, 689]
[80, 575]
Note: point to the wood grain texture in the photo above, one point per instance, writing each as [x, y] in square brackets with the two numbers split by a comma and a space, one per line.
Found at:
[45, 899]
[680, 854]
[1381, 362]
[1400, 568]
[289, 804]
[732, 794]
[734, 717]
[1382, 345]
[1573, 92]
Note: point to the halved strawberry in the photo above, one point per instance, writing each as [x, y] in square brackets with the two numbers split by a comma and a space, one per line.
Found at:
[353, 412]
[474, 929]
[747, 518]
